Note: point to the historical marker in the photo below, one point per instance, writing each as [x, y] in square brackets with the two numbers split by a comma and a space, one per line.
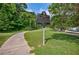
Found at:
[43, 19]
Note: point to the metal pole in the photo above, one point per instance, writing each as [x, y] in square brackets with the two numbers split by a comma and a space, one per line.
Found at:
[43, 36]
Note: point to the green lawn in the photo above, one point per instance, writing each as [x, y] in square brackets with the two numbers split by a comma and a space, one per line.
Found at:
[57, 43]
[4, 37]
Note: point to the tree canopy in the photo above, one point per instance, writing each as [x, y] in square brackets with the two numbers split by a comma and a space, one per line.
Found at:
[63, 15]
[14, 17]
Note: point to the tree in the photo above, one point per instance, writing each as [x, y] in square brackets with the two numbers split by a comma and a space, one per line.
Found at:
[76, 16]
[62, 14]
[14, 17]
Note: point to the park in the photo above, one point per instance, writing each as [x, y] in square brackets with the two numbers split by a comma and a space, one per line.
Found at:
[39, 29]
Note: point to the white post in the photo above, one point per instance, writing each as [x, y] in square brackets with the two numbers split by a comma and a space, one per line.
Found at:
[43, 36]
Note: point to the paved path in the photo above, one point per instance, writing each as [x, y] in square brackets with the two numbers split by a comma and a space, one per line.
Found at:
[15, 45]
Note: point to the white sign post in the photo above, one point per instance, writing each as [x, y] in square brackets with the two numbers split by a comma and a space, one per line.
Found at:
[43, 36]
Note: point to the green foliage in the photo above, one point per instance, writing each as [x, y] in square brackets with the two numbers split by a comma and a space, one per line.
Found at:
[14, 17]
[63, 15]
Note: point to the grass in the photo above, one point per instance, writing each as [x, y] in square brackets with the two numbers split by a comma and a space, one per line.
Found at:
[57, 43]
[4, 37]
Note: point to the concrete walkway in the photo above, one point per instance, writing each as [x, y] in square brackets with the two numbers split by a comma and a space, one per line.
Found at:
[15, 45]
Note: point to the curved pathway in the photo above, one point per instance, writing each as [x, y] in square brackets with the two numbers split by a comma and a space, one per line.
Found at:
[15, 45]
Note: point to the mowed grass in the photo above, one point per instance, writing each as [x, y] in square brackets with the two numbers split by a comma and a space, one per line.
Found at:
[4, 37]
[57, 43]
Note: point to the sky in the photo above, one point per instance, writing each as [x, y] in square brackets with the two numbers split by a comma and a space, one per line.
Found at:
[38, 7]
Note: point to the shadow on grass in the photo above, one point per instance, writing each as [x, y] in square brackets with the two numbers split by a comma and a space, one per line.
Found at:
[63, 36]
[47, 39]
